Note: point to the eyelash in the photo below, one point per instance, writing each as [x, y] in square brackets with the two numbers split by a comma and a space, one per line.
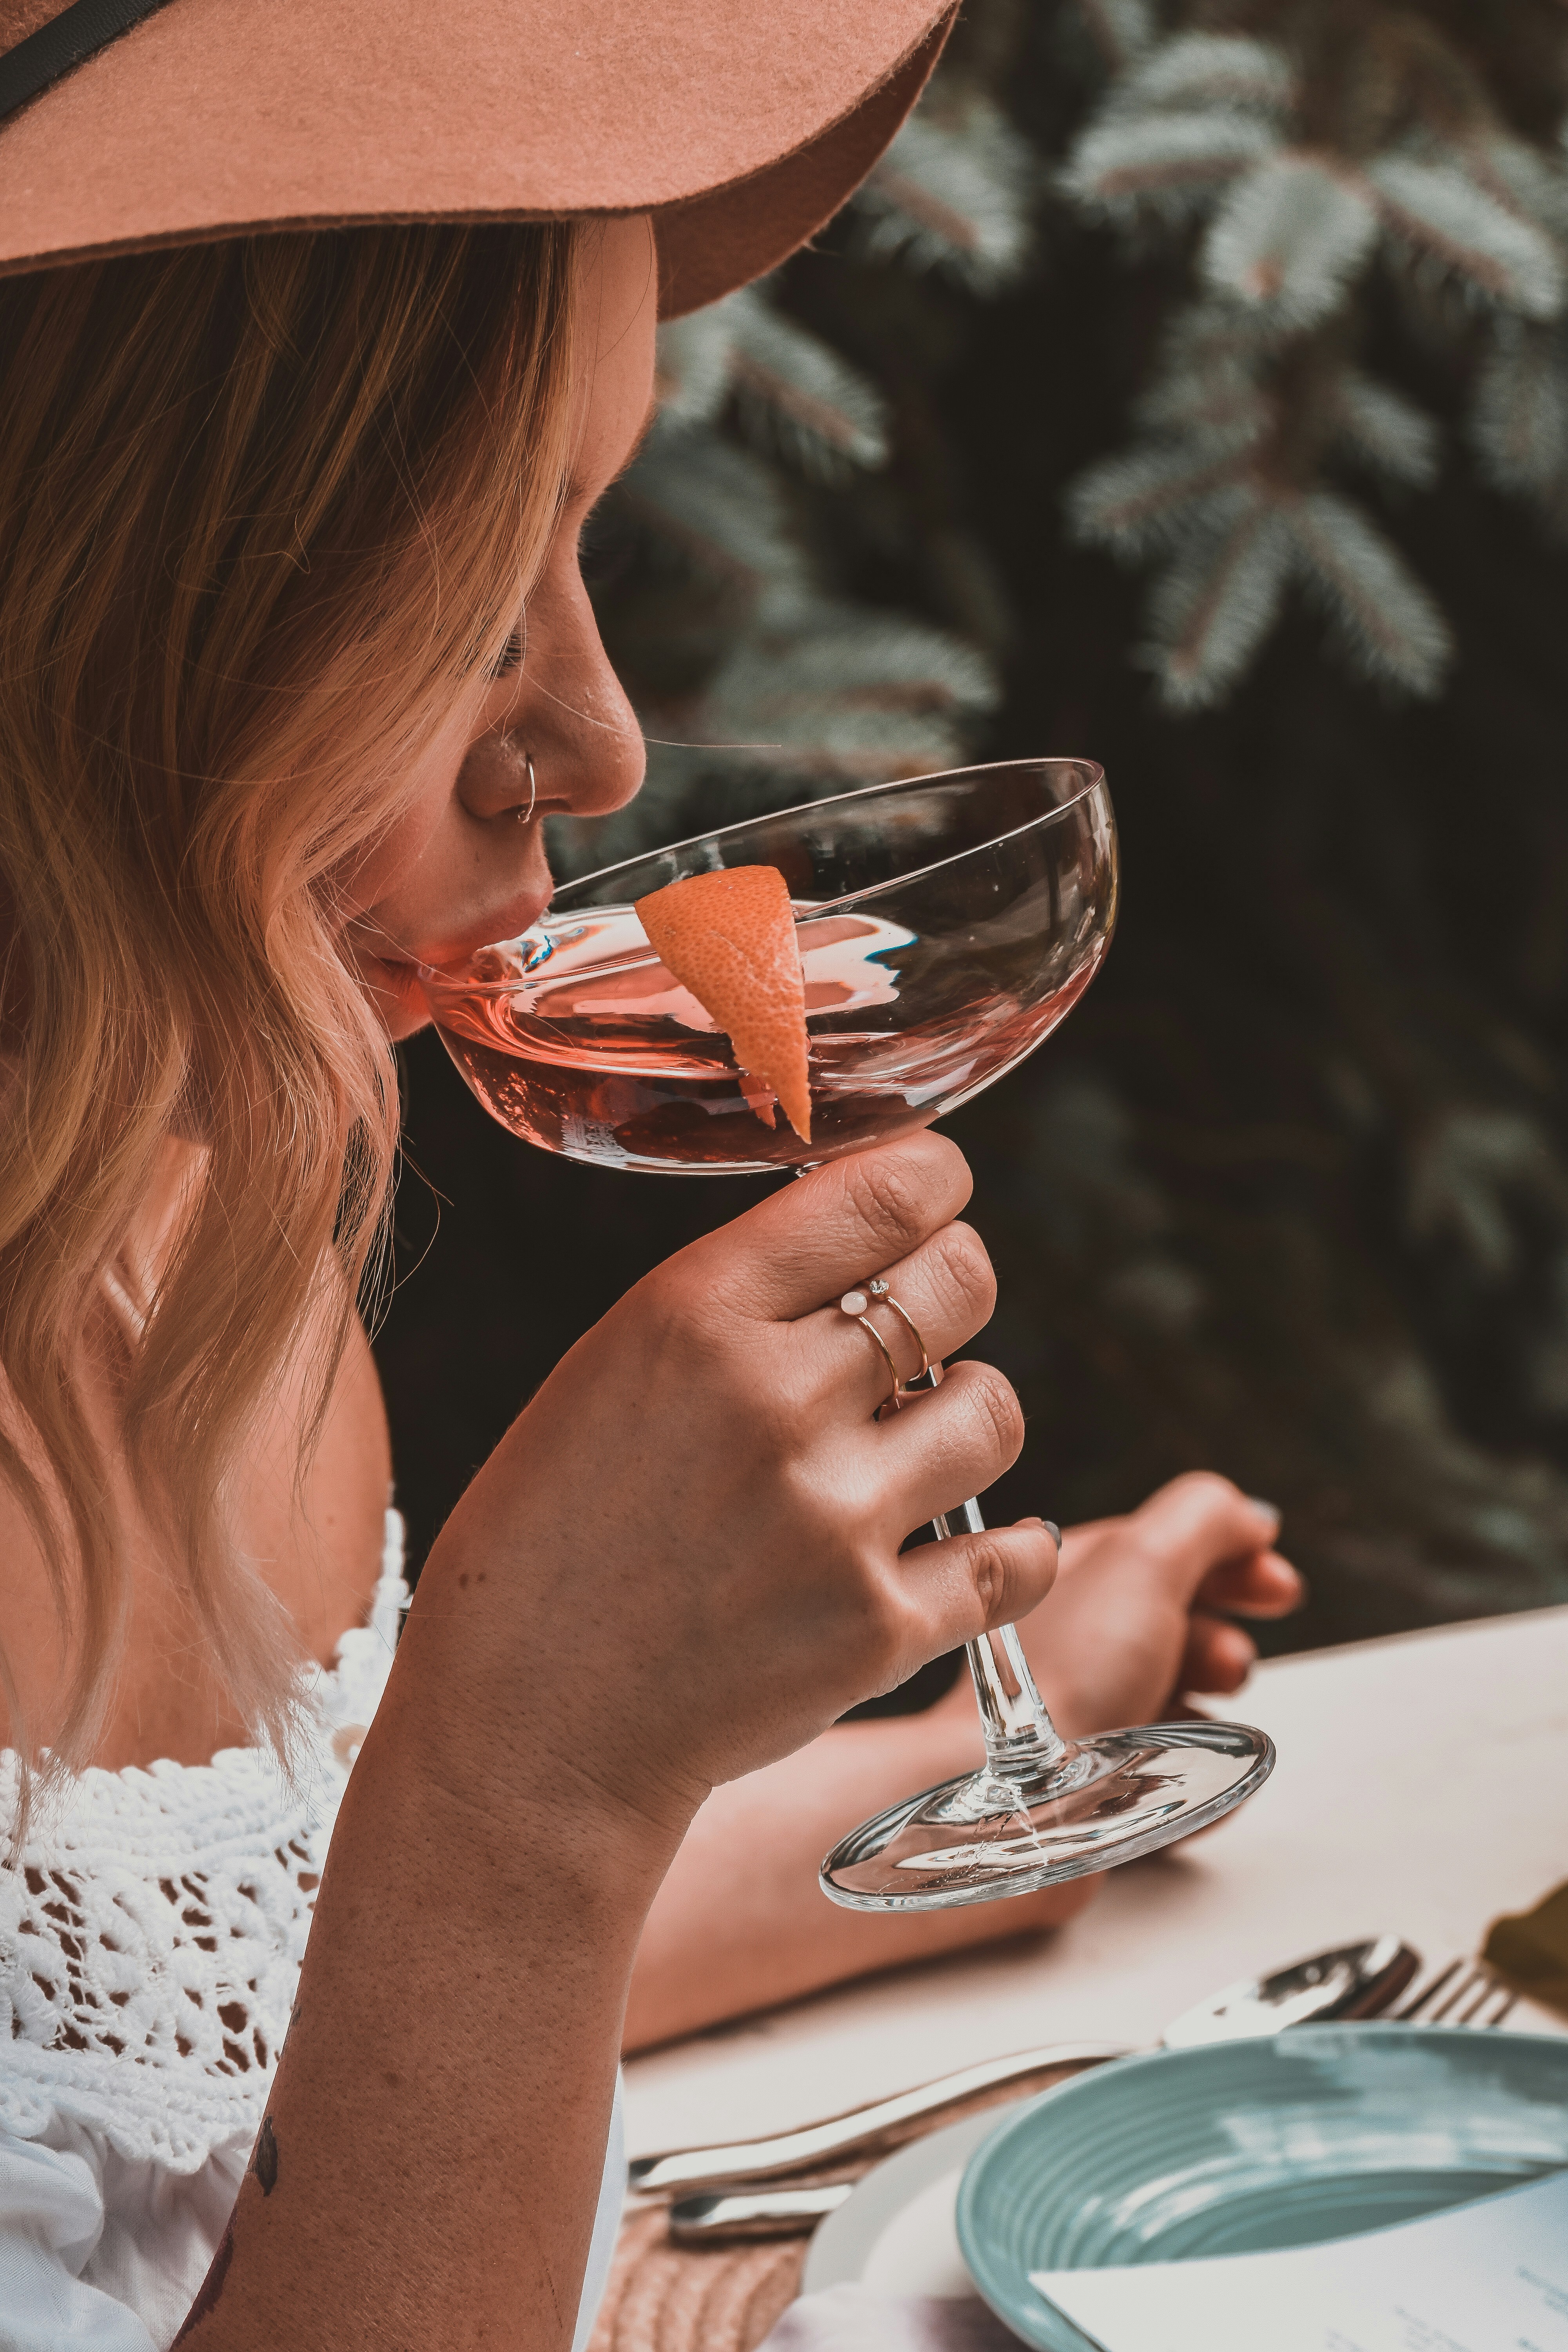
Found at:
[600, 560]
[604, 546]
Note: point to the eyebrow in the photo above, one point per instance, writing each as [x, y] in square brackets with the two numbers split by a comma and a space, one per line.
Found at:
[578, 488]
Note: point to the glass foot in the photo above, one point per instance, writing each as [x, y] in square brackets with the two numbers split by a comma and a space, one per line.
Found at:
[1087, 1806]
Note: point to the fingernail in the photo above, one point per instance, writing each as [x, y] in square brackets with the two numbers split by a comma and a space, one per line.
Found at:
[1270, 1510]
[1054, 1532]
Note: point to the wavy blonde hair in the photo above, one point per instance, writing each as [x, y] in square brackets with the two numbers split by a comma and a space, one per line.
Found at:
[265, 507]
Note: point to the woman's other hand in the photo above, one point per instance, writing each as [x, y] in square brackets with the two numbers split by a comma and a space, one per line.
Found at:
[1140, 1619]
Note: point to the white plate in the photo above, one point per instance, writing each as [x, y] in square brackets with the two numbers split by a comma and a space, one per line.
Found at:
[897, 2234]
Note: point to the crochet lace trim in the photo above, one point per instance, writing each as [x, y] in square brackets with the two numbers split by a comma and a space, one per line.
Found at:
[151, 1931]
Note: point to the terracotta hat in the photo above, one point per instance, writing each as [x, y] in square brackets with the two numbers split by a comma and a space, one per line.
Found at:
[741, 125]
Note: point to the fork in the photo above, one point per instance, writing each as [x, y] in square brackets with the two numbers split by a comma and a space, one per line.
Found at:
[1461, 1992]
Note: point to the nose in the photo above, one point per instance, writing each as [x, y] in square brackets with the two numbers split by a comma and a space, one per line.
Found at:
[573, 715]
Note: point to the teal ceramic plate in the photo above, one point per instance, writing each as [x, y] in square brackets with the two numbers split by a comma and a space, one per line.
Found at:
[1319, 2133]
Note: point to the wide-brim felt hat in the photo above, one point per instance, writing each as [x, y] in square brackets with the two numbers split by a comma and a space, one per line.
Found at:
[740, 125]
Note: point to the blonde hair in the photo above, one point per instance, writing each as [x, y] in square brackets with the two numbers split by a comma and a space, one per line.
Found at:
[265, 509]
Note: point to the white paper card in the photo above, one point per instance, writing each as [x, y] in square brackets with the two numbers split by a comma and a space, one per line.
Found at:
[1487, 2277]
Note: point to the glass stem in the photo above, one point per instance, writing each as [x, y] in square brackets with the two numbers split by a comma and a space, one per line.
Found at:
[1019, 1734]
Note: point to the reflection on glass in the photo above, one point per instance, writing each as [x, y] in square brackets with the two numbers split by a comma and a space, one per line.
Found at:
[927, 976]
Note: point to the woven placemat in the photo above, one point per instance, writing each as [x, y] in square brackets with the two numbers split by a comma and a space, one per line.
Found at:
[666, 2298]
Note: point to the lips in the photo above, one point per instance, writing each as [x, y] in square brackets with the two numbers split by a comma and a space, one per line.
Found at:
[514, 915]
[504, 921]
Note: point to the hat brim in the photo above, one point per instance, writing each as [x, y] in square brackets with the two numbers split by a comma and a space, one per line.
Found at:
[740, 128]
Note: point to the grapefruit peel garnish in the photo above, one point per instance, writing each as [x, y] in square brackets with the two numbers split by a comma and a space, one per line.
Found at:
[729, 937]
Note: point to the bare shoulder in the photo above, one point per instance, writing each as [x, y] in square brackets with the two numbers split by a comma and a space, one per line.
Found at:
[316, 1542]
[29, 1621]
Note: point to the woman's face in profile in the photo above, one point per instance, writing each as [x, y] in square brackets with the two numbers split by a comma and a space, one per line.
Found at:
[459, 869]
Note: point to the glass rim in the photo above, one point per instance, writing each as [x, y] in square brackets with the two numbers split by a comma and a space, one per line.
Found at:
[1093, 782]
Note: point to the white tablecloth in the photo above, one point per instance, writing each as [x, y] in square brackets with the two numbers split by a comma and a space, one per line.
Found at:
[1422, 1787]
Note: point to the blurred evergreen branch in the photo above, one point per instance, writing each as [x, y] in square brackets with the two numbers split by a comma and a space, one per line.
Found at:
[1265, 299]
[1293, 173]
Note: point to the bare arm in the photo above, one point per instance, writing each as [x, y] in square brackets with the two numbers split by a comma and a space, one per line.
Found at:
[701, 1483]
[739, 1922]
[429, 2167]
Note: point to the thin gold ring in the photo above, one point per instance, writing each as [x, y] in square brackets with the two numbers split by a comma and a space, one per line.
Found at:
[876, 1293]
[913, 1327]
[854, 1304]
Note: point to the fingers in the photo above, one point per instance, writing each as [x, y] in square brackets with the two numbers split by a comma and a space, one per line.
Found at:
[975, 1583]
[950, 1444]
[1217, 1658]
[1262, 1585]
[1195, 1525]
[947, 1290]
[811, 1241]
[1258, 1582]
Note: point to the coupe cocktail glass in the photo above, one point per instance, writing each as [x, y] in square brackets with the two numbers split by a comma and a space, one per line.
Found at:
[946, 926]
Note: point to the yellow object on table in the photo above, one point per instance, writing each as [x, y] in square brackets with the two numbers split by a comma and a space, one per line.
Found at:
[1530, 1949]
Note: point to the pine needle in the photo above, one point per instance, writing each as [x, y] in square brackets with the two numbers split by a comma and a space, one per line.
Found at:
[1388, 624]
[1494, 252]
[1289, 237]
[1192, 71]
[1217, 603]
[1171, 163]
[1146, 498]
[1520, 421]
[797, 397]
[1385, 431]
[954, 193]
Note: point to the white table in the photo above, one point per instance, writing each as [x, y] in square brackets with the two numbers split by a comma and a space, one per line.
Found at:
[1422, 1787]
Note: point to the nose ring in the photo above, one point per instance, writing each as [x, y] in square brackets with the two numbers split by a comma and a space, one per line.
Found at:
[523, 815]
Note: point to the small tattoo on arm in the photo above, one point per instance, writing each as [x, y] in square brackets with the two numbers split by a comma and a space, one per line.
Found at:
[210, 2293]
[264, 2163]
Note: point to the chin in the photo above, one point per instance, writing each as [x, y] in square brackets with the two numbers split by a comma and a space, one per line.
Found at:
[405, 1020]
[394, 995]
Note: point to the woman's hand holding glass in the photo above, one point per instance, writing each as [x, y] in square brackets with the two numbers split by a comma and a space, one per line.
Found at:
[698, 1518]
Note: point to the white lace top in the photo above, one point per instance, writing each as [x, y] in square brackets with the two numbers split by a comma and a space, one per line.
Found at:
[151, 1936]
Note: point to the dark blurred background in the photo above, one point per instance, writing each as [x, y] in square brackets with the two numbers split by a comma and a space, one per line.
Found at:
[1189, 389]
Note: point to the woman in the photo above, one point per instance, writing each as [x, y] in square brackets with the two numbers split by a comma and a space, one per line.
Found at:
[294, 657]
